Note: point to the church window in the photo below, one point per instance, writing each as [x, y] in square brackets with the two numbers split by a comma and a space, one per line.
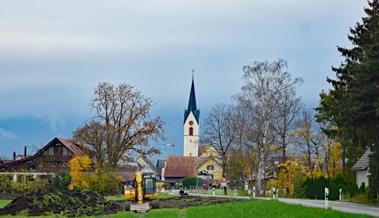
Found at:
[191, 131]
[210, 167]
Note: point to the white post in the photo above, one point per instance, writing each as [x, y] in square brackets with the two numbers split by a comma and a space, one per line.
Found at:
[214, 192]
[254, 192]
[14, 177]
[326, 198]
[273, 193]
[340, 194]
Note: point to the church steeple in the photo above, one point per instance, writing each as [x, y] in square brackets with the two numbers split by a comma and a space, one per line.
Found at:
[192, 103]
[191, 125]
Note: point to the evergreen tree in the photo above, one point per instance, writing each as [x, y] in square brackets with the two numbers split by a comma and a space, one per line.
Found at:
[352, 104]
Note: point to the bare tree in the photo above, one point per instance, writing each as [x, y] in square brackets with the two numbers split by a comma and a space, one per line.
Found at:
[221, 131]
[264, 86]
[286, 114]
[308, 140]
[121, 124]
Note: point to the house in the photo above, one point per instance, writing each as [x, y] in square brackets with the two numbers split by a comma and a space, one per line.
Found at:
[211, 169]
[361, 169]
[159, 168]
[145, 164]
[178, 167]
[51, 158]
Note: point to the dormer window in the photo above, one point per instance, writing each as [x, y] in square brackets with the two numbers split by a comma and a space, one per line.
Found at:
[210, 167]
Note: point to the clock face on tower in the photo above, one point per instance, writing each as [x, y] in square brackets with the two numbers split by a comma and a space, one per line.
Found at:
[191, 122]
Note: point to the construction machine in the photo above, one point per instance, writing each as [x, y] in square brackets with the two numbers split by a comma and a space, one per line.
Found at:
[142, 189]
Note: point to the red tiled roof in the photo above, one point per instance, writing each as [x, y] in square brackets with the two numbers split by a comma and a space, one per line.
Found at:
[72, 146]
[179, 166]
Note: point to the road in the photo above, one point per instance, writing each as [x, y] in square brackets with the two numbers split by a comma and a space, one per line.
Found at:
[335, 205]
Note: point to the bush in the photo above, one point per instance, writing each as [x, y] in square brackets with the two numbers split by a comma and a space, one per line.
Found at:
[314, 188]
[61, 181]
[5, 183]
[105, 183]
[164, 185]
[191, 181]
[26, 185]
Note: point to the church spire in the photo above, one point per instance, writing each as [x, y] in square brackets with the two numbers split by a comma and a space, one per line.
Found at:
[192, 98]
[192, 102]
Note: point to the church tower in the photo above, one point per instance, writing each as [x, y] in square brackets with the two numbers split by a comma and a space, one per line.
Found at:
[191, 125]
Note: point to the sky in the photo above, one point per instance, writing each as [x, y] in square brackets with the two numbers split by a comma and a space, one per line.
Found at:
[54, 53]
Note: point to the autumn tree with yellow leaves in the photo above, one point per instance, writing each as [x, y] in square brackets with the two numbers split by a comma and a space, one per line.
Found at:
[84, 177]
[80, 167]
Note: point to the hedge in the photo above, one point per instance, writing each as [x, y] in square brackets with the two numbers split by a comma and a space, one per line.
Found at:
[313, 188]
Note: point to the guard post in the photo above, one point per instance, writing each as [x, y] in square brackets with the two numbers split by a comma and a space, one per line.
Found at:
[326, 198]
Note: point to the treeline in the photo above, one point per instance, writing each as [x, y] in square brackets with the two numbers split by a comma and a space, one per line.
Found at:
[268, 136]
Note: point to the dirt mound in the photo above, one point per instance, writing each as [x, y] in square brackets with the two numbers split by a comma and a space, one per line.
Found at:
[68, 203]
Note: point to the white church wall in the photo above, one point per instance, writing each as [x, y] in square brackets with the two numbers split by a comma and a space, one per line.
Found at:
[191, 143]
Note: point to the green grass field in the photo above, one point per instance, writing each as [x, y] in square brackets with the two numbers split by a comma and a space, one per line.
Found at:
[3, 203]
[248, 209]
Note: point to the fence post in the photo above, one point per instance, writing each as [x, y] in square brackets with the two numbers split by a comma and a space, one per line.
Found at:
[326, 198]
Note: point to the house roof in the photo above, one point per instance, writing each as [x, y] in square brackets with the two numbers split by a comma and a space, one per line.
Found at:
[203, 160]
[70, 145]
[362, 163]
[127, 172]
[148, 162]
[192, 105]
[179, 166]
[7, 164]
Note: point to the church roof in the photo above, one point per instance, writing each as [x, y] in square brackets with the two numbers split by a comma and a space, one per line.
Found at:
[192, 105]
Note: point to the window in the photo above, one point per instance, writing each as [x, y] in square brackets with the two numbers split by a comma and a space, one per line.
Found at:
[210, 167]
[51, 151]
[65, 152]
[191, 131]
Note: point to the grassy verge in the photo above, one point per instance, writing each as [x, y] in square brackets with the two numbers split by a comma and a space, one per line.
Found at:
[231, 192]
[264, 209]
[3, 203]
[247, 209]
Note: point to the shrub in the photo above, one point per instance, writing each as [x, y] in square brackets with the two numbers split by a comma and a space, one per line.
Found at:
[192, 181]
[61, 181]
[25, 185]
[105, 183]
[314, 187]
[5, 183]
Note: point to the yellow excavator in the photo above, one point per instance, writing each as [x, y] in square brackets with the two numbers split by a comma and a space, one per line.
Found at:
[144, 188]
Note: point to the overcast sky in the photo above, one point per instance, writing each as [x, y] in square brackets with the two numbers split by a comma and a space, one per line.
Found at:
[53, 54]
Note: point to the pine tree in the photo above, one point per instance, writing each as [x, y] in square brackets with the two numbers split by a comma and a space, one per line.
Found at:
[352, 104]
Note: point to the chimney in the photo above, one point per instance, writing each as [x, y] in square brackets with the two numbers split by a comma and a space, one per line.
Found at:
[25, 151]
[14, 155]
